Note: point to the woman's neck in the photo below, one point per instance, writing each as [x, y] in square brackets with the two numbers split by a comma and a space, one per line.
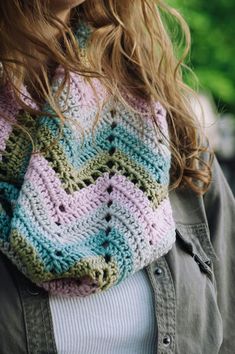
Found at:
[63, 15]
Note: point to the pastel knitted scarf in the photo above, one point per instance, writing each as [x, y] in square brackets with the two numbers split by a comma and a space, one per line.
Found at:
[81, 216]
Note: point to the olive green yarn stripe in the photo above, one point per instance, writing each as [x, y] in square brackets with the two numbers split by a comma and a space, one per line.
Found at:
[57, 159]
[131, 170]
[73, 180]
[18, 147]
[93, 266]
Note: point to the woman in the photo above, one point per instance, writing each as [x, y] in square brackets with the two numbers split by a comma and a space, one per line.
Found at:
[116, 226]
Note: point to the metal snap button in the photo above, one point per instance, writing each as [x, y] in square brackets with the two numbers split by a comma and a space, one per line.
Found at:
[209, 263]
[167, 340]
[158, 271]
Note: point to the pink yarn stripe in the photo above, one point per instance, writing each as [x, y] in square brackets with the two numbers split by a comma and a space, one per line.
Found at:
[40, 173]
[5, 131]
[82, 204]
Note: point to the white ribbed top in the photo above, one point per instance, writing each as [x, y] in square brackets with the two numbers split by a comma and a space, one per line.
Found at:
[118, 321]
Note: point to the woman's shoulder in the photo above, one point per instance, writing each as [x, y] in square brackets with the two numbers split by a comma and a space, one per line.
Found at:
[190, 207]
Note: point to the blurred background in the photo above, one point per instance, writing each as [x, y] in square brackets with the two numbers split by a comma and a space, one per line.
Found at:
[212, 25]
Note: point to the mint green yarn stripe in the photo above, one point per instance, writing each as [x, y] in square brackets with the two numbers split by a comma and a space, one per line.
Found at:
[41, 241]
[72, 180]
[28, 261]
[136, 150]
[63, 263]
[44, 246]
[17, 151]
[23, 221]
[72, 147]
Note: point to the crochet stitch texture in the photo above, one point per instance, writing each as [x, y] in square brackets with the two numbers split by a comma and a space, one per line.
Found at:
[80, 216]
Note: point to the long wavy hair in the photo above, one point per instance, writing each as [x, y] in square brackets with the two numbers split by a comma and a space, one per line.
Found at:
[131, 48]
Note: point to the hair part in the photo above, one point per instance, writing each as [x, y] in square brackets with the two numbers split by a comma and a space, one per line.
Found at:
[130, 49]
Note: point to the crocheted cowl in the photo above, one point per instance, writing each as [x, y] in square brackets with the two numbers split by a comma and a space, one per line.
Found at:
[79, 218]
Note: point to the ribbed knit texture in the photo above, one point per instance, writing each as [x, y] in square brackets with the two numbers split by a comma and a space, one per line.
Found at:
[118, 321]
[80, 216]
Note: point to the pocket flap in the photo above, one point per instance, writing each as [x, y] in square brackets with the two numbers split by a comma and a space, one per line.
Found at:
[199, 236]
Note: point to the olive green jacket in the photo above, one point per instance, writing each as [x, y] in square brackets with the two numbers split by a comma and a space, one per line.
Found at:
[193, 285]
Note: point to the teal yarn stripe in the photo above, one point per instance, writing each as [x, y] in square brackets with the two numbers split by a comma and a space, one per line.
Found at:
[44, 246]
[144, 156]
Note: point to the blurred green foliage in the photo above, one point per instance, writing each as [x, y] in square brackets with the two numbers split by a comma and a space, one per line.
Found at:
[212, 25]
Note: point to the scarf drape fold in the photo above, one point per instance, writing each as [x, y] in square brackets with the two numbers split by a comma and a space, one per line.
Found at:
[81, 216]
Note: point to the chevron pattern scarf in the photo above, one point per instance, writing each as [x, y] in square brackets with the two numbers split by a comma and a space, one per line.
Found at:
[82, 215]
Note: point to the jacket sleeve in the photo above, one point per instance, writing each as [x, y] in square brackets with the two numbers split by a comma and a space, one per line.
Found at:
[220, 210]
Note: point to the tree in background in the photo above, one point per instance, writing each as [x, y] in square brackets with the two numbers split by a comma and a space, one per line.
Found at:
[212, 25]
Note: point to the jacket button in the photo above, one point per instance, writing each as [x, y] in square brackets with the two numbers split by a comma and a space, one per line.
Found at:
[208, 262]
[167, 340]
[158, 271]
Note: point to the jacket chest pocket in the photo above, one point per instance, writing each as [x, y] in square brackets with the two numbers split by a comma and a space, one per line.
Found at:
[199, 323]
[195, 241]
